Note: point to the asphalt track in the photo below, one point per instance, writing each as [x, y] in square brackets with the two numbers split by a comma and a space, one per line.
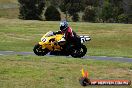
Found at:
[119, 59]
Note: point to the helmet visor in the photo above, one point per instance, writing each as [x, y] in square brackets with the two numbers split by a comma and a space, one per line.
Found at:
[62, 28]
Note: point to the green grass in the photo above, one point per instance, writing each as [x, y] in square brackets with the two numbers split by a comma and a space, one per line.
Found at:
[107, 39]
[9, 9]
[57, 72]
[9, 13]
[8, 1]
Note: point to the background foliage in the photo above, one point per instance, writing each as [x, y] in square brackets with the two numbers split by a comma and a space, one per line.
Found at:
[73, 10]
[31, 9]
[52, 14]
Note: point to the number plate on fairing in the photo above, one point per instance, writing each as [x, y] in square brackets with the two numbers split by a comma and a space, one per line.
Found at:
[85, 38]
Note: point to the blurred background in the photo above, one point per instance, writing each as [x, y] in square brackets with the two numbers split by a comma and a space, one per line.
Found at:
[108, 11]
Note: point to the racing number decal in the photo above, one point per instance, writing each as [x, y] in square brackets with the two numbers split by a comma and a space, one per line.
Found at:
[84, 38]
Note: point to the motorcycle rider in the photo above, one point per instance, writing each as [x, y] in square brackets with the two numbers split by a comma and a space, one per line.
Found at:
[70, 36]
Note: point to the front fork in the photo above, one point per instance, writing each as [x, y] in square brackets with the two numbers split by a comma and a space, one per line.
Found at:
[42, 44]
[48, 46]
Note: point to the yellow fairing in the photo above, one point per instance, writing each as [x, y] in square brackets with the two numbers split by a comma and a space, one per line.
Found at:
[47, 42]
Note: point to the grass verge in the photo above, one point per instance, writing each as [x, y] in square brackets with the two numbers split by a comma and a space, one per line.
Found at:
[57, 72]
[9, 13]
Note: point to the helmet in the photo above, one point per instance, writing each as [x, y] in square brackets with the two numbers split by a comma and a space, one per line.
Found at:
[63, 25]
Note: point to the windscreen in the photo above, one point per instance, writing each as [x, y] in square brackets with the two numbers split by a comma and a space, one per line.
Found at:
[48, 34]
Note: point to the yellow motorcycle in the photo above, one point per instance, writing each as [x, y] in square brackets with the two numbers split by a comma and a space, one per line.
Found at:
[51, 43]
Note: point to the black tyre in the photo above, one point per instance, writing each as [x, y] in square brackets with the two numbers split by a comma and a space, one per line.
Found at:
[39, 51]
[79, 53]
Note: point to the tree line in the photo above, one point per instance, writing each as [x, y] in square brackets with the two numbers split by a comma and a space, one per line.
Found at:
[76, 10]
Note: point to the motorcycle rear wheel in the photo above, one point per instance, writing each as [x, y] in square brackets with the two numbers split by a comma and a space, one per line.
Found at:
[39, 51]
[79, 53]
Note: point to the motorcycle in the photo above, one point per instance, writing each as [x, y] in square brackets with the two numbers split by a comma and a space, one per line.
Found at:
[51, 43]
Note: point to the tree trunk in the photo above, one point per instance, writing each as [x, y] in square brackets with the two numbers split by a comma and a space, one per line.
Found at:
[127, 5]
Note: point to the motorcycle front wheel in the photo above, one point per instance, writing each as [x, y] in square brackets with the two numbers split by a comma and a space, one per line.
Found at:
[39, 51]
[78, 53]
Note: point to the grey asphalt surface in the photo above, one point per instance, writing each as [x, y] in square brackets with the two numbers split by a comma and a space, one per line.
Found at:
[119, 59]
